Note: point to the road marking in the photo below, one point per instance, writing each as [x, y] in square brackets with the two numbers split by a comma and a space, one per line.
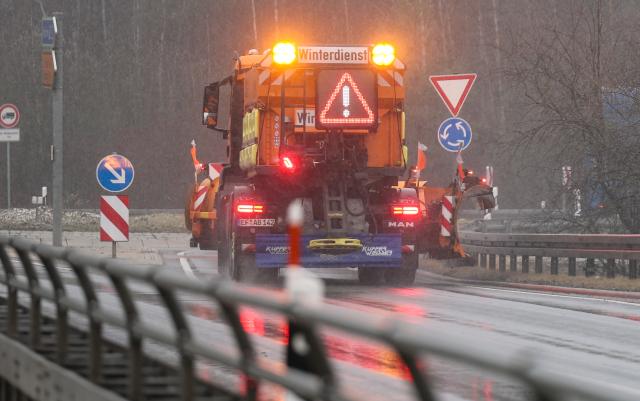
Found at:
[186, 267]
[558, 295]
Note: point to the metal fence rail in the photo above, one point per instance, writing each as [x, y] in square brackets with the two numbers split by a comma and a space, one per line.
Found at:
[619, 253]
[408, 340]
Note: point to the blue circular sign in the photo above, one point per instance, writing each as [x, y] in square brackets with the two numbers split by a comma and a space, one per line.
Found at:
[115, 173]
[454, 134]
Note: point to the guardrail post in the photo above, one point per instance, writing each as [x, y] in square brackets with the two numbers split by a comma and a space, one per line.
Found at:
[633, 269]
[183, 339]
[611, 268]
[12, 292]
[35, 309]
[492, 261]
[538, 264]
[513, 263]
[135, 339]
[572, 266]
[590, 268]
[554, 265]
[62, 324]
[244, 344]
[483, 260]
[525, 264]
[95, 325]
[502, 263]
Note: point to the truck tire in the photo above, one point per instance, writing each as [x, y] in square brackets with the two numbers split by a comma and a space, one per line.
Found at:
[406, 275]
[371, 275]
[223, 243]
[243, 266]
[207, 239]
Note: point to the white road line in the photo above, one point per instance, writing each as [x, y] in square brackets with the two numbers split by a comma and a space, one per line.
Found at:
[533, 292]
[186, 267]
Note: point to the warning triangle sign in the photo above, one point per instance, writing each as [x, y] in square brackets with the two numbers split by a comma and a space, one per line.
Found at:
[346, 106]
[453, 89]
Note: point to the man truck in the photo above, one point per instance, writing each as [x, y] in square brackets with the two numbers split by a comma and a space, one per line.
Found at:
[325, 126]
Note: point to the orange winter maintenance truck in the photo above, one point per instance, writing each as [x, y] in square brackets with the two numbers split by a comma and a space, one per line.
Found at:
[324, 125]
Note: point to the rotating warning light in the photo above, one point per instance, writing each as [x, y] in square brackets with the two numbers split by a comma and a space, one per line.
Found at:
[383, 54]
[284, 53]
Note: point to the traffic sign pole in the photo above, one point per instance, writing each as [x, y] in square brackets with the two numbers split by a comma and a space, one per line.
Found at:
[9, 120]
[8, 175]
[57, 106]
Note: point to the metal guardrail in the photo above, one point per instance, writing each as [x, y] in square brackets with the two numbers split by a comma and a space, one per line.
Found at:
[620, 253]
[410, 341]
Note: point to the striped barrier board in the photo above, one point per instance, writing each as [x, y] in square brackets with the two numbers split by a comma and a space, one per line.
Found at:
[201, 193]
[446, 224]
[114, 218]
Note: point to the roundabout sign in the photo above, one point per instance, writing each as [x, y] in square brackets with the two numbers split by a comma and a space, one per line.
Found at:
[454, 134]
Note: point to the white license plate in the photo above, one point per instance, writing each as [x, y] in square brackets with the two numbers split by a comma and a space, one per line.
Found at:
[256, 222]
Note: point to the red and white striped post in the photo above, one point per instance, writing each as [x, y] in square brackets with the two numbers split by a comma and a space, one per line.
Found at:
[295, 220]
[114, 220]
[446, 217]
[302, 286]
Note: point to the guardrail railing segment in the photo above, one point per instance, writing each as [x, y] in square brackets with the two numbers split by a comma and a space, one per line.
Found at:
[620, 253]
[410, 341]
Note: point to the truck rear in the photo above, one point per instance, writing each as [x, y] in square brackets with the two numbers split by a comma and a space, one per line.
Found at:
[323, 125]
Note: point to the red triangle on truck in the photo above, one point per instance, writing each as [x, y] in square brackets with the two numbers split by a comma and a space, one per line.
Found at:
[453, 89]
[351, 109]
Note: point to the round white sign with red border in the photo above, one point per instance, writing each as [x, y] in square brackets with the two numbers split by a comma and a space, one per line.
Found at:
[9, 116]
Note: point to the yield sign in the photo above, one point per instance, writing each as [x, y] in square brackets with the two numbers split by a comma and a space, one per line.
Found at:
[453, 89]
[350, 104]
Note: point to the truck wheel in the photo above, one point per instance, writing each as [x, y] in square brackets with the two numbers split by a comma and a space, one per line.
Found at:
[405, 275]
[370, 275]
[243, 266]
[223, 245]
[207, 239]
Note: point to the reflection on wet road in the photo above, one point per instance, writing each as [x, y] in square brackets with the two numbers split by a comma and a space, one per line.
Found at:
[596, 337]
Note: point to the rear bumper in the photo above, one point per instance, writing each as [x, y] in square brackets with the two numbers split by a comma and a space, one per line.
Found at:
[381, 250]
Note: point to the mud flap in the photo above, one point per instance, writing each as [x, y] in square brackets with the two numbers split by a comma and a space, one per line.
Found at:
[382, 250]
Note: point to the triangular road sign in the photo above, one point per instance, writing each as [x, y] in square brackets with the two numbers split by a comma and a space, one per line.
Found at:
[453, 89]
[347, 106]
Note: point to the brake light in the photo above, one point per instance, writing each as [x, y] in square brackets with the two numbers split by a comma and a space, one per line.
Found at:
[249, 208]
[405, 210]
[289, 162]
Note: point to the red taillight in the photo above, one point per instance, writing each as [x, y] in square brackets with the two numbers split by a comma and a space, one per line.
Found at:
[405, 210]
[484, 180]
[289, 162]
[249, 208]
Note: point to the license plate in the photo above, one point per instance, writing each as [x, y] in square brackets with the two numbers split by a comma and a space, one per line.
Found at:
[256, 222]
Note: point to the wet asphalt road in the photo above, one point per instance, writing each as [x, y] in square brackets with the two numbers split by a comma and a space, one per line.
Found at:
[593, 338]
[590, 337]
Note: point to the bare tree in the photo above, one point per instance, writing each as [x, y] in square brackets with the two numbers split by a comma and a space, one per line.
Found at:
[579, 78]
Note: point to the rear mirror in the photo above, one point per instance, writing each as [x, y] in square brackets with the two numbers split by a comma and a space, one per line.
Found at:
[210, 105]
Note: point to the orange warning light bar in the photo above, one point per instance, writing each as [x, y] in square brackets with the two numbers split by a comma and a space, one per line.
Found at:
[284, 53]
[383, 54]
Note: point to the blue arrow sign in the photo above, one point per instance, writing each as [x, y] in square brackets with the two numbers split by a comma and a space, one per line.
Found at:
[115, 173]
[454, 134]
